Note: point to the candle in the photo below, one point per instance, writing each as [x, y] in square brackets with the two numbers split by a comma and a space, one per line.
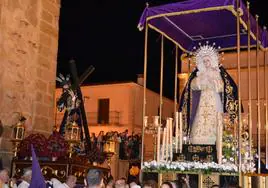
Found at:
[167, 140]
[156, 124]
[145, 121]
[171, 138]
[176, 131]
[181, 135]
[163, 143]
[219, 138]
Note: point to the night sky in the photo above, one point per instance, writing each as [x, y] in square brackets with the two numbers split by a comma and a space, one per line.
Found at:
[104, 33]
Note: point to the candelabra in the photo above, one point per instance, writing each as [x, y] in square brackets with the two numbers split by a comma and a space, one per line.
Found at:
[18, 135]
[72, 135]
[109, 150]
[154, 129]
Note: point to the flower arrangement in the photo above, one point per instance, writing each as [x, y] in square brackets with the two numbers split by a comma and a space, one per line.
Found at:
[190, 167]
[57, 146]
[248, 164]
[134, 171]
[39, 142]
[230, 146]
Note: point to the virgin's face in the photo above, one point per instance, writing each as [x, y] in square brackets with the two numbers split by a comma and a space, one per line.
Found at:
[207, 61]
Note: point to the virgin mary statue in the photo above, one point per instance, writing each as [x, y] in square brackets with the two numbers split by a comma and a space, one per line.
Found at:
[209, 92]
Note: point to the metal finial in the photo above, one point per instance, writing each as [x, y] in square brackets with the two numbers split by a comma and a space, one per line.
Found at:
[257, 17]
[147, 4]
[248, 3]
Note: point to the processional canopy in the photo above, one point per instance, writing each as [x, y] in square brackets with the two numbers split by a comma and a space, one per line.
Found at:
[191, 22]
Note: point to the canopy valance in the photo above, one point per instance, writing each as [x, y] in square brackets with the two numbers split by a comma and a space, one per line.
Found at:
[190, 22]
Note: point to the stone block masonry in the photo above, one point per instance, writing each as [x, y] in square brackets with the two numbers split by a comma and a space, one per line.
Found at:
[28, 61]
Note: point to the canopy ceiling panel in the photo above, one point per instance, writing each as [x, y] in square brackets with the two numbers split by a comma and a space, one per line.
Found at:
[192, 22]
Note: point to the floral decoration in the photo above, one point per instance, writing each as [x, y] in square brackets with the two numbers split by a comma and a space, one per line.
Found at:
[57, 146]
[190, 167]
[134, 171]
[230, 146]
[39, 142]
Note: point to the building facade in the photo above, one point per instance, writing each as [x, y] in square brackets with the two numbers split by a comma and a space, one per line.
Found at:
[118, 106]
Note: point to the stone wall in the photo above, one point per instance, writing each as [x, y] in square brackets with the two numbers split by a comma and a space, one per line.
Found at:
[28, 58]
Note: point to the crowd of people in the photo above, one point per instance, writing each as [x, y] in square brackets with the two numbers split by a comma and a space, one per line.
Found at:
[129, 143]
[95, 179]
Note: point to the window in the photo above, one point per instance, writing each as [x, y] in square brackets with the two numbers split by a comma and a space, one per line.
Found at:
[103, 111]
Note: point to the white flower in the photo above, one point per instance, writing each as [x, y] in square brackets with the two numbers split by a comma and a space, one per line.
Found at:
[189, 166]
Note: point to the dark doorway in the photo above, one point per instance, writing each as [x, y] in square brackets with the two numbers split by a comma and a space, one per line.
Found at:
[103, 111]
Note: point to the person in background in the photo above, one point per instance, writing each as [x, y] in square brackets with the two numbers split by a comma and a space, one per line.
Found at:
[95, 179]
[5, 181]
[149, 184]
[121, 183]
[55, 182]
[100, 140]
[93, 139]
[26, 178]
[4, 178]
[169, 184]
[69, 183]
[134, 185]
[110, 182]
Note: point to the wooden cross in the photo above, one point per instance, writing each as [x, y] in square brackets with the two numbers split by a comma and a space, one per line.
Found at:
[76, 83]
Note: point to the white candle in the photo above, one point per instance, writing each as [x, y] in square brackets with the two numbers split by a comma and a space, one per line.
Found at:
[171, 138]
[163, 143]
[145, 121]
[156, 124]
[176, 131]
[219, 119]
[167, 140]
[181, 134]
